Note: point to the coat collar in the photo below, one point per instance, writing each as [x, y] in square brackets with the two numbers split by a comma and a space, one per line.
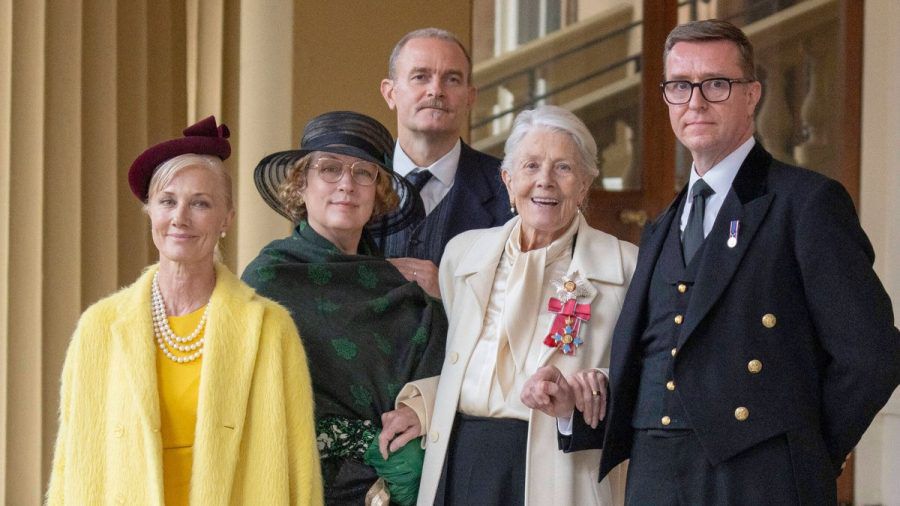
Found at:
[597, 257]
[231, 340]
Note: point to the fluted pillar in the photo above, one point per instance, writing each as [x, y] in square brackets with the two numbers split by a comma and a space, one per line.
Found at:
[264, 115]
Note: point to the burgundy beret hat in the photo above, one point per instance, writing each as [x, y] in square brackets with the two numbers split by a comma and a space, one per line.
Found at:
[201, 138]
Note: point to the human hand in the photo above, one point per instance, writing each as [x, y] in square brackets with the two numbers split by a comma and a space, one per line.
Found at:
[590, 390]
[548, 391]
[398, 427]
[423, 272]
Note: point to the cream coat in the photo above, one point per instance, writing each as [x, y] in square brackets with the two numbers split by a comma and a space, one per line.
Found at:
[255, 436]
[466, 277]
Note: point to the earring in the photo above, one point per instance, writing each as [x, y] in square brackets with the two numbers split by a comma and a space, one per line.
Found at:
[222, 235]
[512, 207]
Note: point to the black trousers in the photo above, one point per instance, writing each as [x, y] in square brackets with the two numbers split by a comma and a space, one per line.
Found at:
[485, 463]
[669, 468]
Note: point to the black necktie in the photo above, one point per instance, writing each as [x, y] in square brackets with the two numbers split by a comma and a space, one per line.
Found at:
[419, 178]
[693, 231]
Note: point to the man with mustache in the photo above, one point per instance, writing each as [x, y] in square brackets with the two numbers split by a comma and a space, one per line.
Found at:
[755, 343]
[429, 87]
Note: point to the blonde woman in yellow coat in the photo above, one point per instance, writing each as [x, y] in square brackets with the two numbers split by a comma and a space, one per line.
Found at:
[186, 387]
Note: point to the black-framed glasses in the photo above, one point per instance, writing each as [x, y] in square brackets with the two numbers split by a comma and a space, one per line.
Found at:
[715, 89]
[331, 170]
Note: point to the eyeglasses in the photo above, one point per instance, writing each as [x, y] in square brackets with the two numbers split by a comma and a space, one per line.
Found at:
[331, 171]
[716, 89]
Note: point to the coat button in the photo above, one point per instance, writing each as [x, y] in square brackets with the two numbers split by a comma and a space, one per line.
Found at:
[678, 319]
[674, 351]
[741, 413]
[434, 436]
[120, 498]
[454, 357]
[670, 385]
[118, 431]
[769, 320]
[682, 287]
[754, 366]
[666, 420]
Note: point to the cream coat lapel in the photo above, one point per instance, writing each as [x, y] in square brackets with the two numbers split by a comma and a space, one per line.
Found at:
[598, 259]
[231, 343]
[478, 267]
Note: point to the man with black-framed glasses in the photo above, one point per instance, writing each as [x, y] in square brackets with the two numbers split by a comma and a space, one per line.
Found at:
[755, 343]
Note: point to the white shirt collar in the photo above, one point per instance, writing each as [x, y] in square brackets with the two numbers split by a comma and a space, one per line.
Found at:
[722, 174]
[719, 178]
[444, 169]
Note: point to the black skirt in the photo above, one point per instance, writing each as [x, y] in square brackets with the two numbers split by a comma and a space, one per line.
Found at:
[485, 462]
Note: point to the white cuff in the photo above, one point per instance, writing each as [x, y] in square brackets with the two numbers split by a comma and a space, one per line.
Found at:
[564, 424]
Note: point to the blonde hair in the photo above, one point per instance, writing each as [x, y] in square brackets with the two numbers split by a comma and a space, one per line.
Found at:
[170, 168]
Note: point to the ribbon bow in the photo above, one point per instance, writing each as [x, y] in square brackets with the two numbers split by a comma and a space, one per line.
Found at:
[564, 331]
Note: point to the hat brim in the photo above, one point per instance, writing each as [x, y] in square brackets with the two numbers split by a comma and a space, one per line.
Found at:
[272, 170]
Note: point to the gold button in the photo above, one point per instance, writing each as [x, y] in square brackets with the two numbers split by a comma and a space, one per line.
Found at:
[454, 357]
[754, 366]
[670, 385]
[666, 420]
[769, 320]
[741, 413]
[155, 429]
[678, 319]
[118, 431]
[434, 436]
[674, 351]
[682, 287]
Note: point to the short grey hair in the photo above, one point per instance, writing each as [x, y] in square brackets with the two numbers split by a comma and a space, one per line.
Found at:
[427, 33]
[554, 119]
[171, 167]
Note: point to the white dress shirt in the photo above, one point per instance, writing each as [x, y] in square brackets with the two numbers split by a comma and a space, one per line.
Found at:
[719, 178]
[443, 172]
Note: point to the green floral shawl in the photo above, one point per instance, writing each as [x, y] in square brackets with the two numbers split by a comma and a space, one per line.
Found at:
[366, 330]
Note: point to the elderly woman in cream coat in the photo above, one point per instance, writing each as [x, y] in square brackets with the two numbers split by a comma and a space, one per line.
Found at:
[544, 289]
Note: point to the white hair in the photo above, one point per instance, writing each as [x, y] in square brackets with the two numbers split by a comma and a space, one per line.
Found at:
[554, 119]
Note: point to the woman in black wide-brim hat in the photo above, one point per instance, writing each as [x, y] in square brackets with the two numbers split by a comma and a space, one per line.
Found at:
[186, 387]
[366, 329]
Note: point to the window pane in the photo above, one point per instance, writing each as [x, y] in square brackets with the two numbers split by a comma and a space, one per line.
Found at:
[583, 55]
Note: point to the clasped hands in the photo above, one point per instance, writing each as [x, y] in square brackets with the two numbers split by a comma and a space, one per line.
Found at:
[550, 392]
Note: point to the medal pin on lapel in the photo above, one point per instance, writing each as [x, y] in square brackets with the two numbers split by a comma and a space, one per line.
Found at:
[733, 233]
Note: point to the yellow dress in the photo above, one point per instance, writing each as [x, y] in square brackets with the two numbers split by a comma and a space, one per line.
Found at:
[178, 392]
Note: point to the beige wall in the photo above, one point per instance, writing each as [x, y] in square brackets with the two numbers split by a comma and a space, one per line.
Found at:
[878, 454]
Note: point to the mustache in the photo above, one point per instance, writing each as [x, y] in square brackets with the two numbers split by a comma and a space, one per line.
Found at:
[434, 103]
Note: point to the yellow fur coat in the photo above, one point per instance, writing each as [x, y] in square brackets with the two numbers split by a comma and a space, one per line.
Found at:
[255, 437]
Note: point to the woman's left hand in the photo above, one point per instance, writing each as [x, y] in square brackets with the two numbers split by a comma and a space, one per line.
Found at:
[398, 427]
[590, 387]
[423, 272]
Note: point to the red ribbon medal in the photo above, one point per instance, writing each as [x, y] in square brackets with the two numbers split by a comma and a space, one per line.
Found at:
[569, 315]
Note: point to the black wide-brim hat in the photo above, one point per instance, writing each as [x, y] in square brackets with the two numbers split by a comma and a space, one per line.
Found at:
[201, 138]
[344, 133]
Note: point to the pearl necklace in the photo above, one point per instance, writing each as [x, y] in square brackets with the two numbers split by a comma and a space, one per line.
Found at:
[166, 339]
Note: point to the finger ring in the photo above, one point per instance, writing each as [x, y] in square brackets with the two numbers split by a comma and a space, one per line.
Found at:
[595, 393]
